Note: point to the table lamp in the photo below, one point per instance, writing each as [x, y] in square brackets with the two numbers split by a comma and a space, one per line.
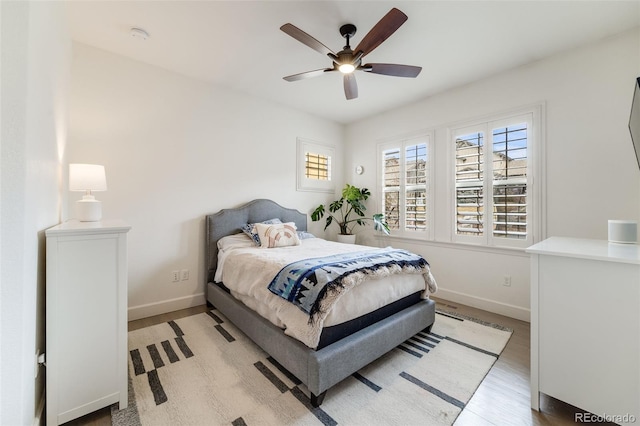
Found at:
[87, 178]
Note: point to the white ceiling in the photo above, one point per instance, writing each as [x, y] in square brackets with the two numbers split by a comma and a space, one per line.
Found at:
[238, 44]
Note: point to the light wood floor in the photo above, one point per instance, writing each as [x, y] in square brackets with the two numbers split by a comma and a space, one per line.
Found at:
[502, 398]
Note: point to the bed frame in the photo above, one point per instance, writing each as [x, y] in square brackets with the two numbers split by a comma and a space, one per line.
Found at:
[317, 369]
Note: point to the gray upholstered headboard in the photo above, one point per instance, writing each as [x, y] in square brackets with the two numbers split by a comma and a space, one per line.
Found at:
[230, 221]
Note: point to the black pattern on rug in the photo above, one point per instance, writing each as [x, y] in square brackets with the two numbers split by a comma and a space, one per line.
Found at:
[153, 352]
[416, 346]
[171, 353]
[174, 347]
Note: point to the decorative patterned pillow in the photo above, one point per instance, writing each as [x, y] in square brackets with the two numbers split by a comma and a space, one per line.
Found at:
[277, 235]
[249, 229]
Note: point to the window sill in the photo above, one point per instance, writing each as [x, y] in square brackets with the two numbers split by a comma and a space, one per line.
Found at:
[510, 251]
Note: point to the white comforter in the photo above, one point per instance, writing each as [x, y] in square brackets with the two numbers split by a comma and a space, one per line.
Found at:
[247, 270]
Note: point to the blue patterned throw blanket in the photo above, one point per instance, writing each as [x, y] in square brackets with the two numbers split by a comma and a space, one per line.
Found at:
[310, 282]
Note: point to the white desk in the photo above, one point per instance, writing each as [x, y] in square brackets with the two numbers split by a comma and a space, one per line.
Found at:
[585, 325]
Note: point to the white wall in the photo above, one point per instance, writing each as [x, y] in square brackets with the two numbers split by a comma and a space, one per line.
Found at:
[591, 171]
[35, 70]
[176, 149]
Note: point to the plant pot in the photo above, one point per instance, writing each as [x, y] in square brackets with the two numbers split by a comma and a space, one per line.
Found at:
[346, 238]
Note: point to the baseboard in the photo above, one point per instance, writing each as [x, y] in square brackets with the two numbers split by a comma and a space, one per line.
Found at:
[512, 311]
[505, 309]
[157, 308]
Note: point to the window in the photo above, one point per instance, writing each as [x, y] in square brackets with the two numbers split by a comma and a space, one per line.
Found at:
[317, 166]
[314, 166]
[405, 185]
[470, 183]
[492, 200]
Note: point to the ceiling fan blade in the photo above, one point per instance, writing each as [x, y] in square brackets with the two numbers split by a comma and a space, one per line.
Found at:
[307, 74]
[395, 70]
[350, 86]
[381, 31]
[305, 38]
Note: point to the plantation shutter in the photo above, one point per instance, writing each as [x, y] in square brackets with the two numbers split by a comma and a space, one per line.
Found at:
[317, 166]
[510, 181]
[493, 182]
[391, 187]
[415, 187]
[405, 184]
[314, 164]
[469, 184]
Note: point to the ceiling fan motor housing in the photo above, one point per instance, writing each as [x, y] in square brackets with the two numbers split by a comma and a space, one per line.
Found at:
[346, 56]
[348, 30]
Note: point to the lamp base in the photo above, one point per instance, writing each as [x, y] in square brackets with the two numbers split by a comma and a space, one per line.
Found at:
[89, 209]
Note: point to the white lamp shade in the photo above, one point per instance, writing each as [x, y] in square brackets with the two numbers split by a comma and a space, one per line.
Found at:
[87, 177]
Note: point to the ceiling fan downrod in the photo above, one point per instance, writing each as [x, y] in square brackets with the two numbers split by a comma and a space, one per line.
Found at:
[347, 31]
[346, 61]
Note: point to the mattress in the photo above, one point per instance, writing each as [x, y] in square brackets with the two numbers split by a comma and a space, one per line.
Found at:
[246, 271]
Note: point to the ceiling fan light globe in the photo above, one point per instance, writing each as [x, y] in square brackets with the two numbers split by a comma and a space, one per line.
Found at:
[346, 68]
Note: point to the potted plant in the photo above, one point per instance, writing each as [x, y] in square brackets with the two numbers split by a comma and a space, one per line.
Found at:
[349, 211]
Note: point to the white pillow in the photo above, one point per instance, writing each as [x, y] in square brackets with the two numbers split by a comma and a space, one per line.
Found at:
[277, 235]
[239, 240]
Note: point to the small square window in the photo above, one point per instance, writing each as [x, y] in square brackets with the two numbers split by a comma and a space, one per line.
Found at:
[317, 166]
[314, 166]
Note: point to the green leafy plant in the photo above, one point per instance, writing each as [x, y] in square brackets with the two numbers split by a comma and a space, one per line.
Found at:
[349, 211]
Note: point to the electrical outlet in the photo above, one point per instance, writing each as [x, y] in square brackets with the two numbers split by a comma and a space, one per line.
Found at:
[184, 274]
[506, 281]
[175, 276]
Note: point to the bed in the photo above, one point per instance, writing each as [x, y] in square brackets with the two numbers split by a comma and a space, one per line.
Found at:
[349, 347]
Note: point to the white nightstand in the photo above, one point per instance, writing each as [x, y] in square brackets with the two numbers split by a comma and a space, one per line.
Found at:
[86, 331]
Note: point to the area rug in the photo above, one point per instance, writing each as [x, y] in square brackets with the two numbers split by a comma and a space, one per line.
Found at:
[201, 370]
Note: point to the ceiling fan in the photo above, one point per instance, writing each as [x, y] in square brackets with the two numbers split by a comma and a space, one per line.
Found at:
[347, 60]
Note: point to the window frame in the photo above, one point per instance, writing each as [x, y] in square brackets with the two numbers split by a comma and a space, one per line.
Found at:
[303, 183]
[530, 115]
[401, 144]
